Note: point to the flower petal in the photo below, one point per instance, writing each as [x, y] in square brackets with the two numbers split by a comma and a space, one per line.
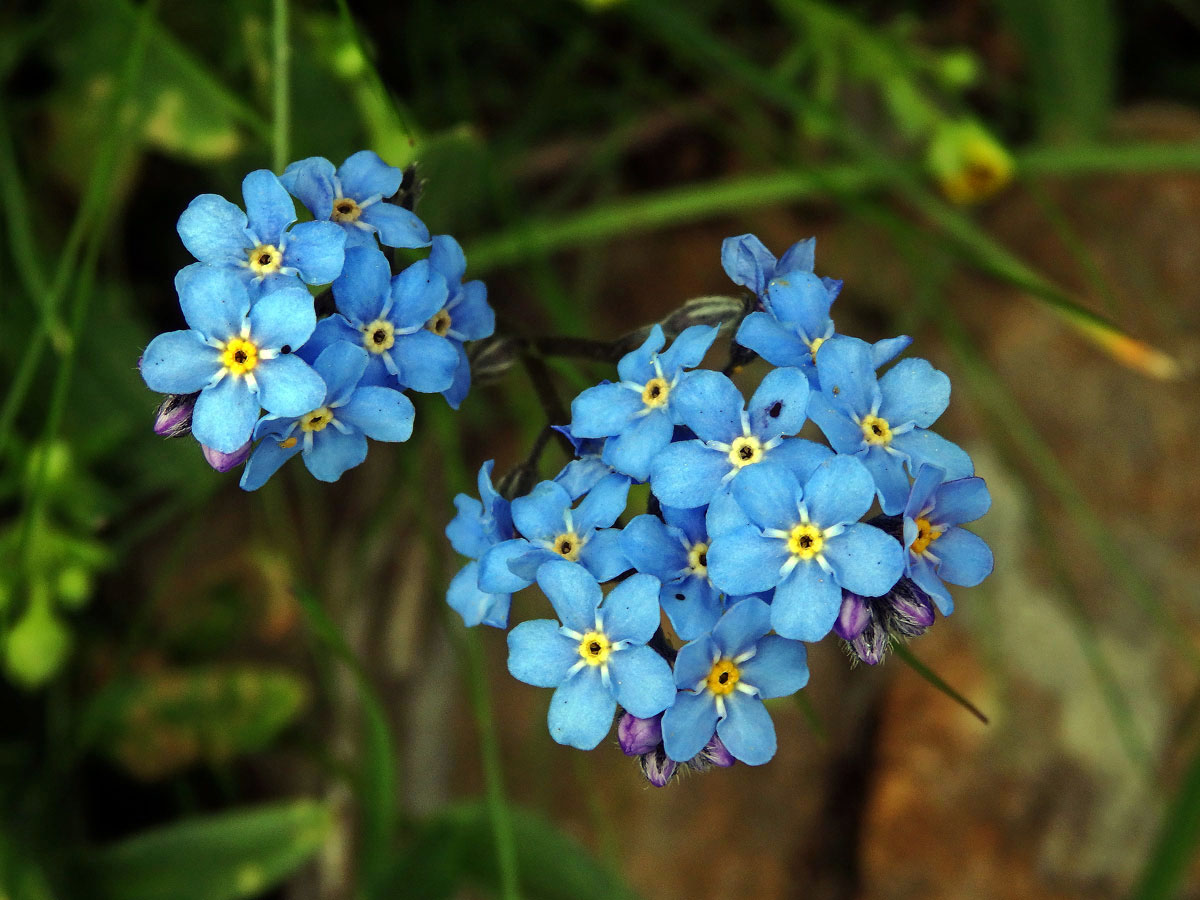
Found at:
[361, 290]
[769, 495]
[283, 318]
[214, 231]
[961, 500]
[840, 490]
[891, 484]
[225, 413]
[865, 560]
[642, 681]
[581, 710]
[540, 514]
[602, 505]
[214, 300]
[914, 391]
[364, 175]
[264, 462]
[742, 561]
[688, 349]
[923, 446]
[800, 256]
[653, 547]
[883, 352]
[426, 362]
[694, 661]
[179, 362]
[604, 410]
[633, 451]
[473, 319]
[602, 554]
[382, 414]
[333, 453]
[475, 606]
[806, 603]
[832, 418]
[920, 570]
[540, 654]
[920, 495]
[779, 405]
[494, 574]
[311, 181]
[778, 668]
[801, 457]
[340, 366]
[287, 386]
[709, 404]
[688, 724]
[799, 299]
[846, 372]
[269, 207]
[688, 474]
[966, 559]
[742, 627]
[630, 613]
[747, 730]
[446, 255]
[396, 226]
[572, 591]
[317, 250]
[692, 604]
[773, 341]
[747, 262]
[418, 293]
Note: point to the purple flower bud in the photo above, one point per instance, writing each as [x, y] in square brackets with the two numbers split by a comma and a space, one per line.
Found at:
[657, 767]
[174, 416]
[638, 736]
[855, 615]
[715, 753]
[910, 609]
[871, 644]
[223, 462]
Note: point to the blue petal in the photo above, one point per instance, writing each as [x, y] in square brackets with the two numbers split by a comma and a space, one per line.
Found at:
[630, 612]
[362, 289]
[923, 446]
[723, 514]
[269, 208]
[288, 387]
[364, 175]
[446, 255]
[778, 668]
[891, 484]
[333, 453]
[642, 681]
[311, 180]
[283, 318]
[317, 250]
[921, 494]
[495, 576]
[779, 405]
[573, 593]
[634, 450]
[777, 344]
[806, 603]
[473, 319]
[961, 500]
[742, 561]
[711, 405]
[689, 521]
[214, 301]
[885, 351]
[461, 385]
[800, 300]
[688, 724]
[965, 558]
[800, 256]
[580, 475]
[527, 564]
[742, 626]
[602, 505]
[799, 456]
[179, 362]
[540, 654]
[417, 294]
[214, 231]
[636, 366]
[653, 547]
[694, 661]
[914, 391]
[769, 495]
[328, 332]
[692, 604]
[747, 730]
[846, 372]
[540, 514]
[224, 415]
[465, 530]
[395, 225]
[602, 554]
[604, 410]
[475, 606]
[264, 462]
[840, 490]
[866, 560]
[831, 417]
[747, 262]
[581, 710]
[382, 414]
[688, 473]
[340, 366]
[426, 362]
[688, 349]
[920, 570]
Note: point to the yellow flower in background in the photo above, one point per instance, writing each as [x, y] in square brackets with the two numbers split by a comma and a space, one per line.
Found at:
[969, 164]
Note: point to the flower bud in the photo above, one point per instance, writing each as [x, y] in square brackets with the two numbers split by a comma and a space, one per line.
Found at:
[869, 624]
[639, 736]
[223, 462]
[715, 753]
[657, 767]
[911, 609]
[854, 616]
[174, 416]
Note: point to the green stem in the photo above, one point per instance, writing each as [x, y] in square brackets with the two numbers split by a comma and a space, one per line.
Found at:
[937, 681]
[281, 119]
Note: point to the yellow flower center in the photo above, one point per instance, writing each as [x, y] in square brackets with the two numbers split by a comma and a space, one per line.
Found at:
[317, 419]
[698, 558]
[926, 535]
[805, 541]
[595, 648]
[876, 431]
[814, 347]
[379, 336]
[655, 393]
[345, 210]
[744, 451]
[239, 356]
[265, 259]
[723, 677]
[567, 545]
[440, 323]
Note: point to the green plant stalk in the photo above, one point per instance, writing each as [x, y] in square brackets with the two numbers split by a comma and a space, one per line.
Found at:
[1175, 851]
[936, 680]
[281, 75]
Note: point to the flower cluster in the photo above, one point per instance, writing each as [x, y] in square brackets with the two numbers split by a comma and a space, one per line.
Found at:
[754, 541]
[255, 377]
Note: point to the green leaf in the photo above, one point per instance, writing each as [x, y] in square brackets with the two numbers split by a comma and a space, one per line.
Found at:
[1175, 852]
[454, 851]
[20, 877]
[222, 857]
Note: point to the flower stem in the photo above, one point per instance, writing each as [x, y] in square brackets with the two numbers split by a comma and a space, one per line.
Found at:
[282, 107]
[936, 680]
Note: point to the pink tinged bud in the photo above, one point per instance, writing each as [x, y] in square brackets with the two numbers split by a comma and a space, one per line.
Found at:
[223, 462]
[717, 754]
[174, 416]
[638, 736]
[854, 616]
[658, 768]
[911, 609]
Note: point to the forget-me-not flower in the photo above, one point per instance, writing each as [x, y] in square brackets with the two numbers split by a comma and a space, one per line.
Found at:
[884, 422]
[597, 657]
[807, 543]
[352, 198]
[257, 243]
[478, 526]
[466, 315]
[938, 550]
[638, 414]
[584, 472]
[235, 355]
[723, 679]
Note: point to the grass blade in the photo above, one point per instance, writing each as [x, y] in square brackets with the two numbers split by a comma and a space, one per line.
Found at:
[936, 680]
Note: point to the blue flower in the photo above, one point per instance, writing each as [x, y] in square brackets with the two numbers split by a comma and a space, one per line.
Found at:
[868, 625]
[233, 355]
[938, 550]
[388, 316]
[884, 422]
[352, 198]
[466, 315]
[675, 551]
[807, 543]
[731, 439]
[638, 415]
[257, 244]
[332, 435]
[597, 658]
[478, 526]
[550, 529]
[724, 678]
[748, 262]
[584, 472]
